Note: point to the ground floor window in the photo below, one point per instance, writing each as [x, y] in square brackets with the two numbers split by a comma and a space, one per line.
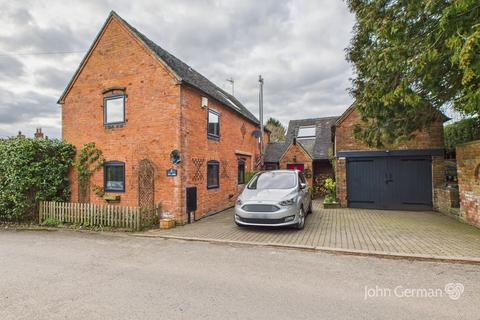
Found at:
[241, 172]
[114, 176]
[213, 180]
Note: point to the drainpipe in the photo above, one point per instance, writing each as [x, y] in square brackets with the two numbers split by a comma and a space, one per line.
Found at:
[260, 104]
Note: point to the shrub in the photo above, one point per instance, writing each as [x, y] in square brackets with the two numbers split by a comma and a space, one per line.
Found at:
[32, 170]
[50, 222]
[461, 131]
[331, 187]
[249, 176]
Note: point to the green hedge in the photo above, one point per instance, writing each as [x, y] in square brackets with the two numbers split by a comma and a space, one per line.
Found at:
[32, 170]
[461, 131]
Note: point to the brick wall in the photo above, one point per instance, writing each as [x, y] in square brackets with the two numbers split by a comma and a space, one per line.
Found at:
[341, 181]
[468, 168]
[430, 138]
[161, 115]
[446, 201]
[234, 144]
[295, 154]
[152, 112]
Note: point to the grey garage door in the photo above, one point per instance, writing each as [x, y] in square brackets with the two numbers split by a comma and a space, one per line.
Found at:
[390, 183]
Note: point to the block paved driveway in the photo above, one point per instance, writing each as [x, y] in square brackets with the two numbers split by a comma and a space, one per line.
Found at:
[359, 230]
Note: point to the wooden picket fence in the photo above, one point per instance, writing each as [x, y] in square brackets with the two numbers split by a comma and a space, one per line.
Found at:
[89, 214]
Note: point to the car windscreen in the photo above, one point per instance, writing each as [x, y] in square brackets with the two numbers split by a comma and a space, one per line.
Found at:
[273, 180]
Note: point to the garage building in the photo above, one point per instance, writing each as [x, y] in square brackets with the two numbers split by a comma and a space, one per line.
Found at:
[397, 177]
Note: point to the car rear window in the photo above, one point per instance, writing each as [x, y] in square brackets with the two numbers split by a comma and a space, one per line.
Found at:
[273, 180]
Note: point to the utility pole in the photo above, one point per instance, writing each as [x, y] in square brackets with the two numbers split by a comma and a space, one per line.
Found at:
[232, 81]
[260, 105]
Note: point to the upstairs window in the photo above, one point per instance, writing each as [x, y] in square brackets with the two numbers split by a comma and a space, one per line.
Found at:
[241, 172]
[213, 168]
[306, 132]
[114, 176]
[213, 128]
[114, 109]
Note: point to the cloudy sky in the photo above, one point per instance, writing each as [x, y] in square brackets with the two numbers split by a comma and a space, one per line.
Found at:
[297, 46]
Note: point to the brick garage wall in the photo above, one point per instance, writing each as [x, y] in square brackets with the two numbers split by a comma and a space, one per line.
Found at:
[235, 143]
[429, 138]
[152, 114]
[295, 154]
[468, 168]
[341, 181]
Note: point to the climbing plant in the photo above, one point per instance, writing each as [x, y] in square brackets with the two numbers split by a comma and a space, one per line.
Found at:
[90, 159]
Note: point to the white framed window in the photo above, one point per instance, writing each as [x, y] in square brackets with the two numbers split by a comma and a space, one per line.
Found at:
[114, 109]
[306, 132]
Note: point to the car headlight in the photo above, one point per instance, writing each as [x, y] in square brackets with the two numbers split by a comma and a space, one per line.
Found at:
[239, 202]
[288, 202]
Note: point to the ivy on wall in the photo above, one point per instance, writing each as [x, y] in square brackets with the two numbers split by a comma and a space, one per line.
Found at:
[32, 170]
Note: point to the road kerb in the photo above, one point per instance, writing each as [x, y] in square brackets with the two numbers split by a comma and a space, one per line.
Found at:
[338, 251]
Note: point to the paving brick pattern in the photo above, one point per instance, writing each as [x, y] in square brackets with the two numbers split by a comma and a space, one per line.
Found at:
[376, 231]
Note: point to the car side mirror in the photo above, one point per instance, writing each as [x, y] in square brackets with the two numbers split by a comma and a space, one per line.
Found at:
[303, 185]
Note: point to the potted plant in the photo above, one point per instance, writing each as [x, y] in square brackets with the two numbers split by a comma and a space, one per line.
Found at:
[330, 200]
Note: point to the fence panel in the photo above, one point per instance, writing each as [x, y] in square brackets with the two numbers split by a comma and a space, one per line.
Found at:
[89, 214]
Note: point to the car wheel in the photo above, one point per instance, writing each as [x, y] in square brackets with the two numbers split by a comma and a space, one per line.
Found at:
[301, 222]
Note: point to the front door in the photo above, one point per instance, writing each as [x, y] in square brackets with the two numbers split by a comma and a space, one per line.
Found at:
[295, 166]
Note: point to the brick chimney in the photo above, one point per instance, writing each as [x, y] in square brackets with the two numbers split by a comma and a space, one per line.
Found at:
[39, 134]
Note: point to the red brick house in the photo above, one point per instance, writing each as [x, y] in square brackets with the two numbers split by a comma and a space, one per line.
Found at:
[144, 109]
[396, 177]
[306, 148]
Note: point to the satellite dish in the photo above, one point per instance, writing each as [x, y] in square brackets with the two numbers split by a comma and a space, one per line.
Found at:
[256, 133]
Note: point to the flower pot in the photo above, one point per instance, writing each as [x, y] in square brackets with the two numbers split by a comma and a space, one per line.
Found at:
[333, 205]
[167, 223]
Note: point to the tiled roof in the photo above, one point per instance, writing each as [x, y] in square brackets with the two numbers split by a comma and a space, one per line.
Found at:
[316, 147]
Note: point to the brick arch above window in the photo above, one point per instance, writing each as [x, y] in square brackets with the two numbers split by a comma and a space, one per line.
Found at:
[114, 90]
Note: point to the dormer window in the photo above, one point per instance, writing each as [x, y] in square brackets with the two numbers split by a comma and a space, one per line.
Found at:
[306, 132]
[114, 109]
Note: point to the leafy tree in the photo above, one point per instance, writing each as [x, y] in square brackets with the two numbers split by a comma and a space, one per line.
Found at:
[277, 130]
[412, 57]
[32, 170]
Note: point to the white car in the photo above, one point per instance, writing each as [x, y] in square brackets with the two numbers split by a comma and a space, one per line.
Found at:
[274, 198]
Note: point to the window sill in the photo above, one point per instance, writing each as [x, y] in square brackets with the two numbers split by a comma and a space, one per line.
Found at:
[114, 125]
[213, 137]
[213, 187]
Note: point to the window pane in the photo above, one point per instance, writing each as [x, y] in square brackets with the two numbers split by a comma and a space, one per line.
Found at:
[212, 175]
[241, 172]
[114, 177]
[213, 123]
[114, 111]
[273, 180]
[306, 132]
